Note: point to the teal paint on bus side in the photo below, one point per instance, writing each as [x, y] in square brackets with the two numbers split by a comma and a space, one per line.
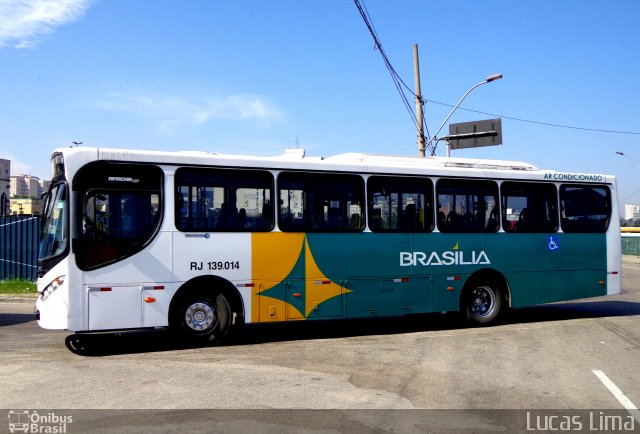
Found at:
[578, 267]
[522, 258]
[371, 267]
[366, 265]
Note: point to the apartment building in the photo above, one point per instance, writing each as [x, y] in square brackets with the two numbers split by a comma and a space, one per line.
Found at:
[28, 186]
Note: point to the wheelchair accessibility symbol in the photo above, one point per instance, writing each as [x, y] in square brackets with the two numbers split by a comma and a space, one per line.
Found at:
[553, 244]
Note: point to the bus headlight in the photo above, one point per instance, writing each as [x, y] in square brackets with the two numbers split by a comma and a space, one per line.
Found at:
[55, 284]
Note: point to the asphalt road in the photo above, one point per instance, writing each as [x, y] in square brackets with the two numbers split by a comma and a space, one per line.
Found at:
[547, 357]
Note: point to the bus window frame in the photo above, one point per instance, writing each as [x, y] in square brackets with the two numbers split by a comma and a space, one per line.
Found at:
[395, 181]
[346, 228]
[178, 205]
[564, 220]
[110, 244]
[442, 224]
[526, 184]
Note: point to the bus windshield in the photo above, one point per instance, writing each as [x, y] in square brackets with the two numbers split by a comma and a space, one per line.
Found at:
[54, 225]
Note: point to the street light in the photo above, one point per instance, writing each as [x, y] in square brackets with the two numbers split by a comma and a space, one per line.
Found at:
[489, 79]
[629, 157]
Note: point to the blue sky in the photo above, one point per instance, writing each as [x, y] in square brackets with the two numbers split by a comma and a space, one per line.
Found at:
[256, 77]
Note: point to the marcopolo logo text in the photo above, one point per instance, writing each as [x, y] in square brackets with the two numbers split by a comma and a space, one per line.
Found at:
[123, 179]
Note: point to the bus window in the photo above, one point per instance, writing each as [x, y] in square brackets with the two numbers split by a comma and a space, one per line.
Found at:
[529, 207]
[467, 205]
[585, 208]
[117, 209]
[223, 200]
[400, 204]
[116, 214]
[313, 202]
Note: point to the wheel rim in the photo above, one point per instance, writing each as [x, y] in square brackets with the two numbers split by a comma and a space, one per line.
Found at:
[483, 301]
[200, 317]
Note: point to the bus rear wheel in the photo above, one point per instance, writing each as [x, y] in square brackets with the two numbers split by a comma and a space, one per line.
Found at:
[482, 303]
[203, 318]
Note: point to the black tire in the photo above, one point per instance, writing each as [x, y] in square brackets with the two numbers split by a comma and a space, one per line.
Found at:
[202, 317]
[482, 303]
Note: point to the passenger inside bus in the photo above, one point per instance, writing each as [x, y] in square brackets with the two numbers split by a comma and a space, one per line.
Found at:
[522, 224]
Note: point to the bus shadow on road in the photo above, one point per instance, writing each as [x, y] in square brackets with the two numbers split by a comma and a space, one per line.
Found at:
[574, 310]
[260, 334]
[126, 342]
[8, 319]
[159, 340]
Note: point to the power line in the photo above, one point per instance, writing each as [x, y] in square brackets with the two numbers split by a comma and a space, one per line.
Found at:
[398, 82]
[401, 86]
[548, 124]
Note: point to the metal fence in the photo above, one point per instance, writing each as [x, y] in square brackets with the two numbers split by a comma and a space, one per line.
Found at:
[631, 245]
[19, 239]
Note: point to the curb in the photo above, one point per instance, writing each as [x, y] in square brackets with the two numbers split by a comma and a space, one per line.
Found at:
[30, 298]
[631, 259]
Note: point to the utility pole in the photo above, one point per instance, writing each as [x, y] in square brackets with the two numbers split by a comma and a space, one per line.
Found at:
[419, 121]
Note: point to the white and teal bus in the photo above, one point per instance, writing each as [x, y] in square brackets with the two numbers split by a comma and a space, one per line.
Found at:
[202, 242]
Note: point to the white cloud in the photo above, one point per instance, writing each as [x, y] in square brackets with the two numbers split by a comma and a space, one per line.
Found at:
[171, 112]
[22, 22]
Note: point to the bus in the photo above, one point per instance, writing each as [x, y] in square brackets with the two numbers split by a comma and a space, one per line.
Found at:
[204, 242]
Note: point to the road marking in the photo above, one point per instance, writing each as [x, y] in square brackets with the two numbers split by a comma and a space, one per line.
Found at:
[618, 394]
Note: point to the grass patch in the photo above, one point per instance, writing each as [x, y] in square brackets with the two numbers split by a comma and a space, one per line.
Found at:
[17, 287]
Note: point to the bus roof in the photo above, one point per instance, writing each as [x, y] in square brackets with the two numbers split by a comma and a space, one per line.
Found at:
[296, 159]
[420, 162]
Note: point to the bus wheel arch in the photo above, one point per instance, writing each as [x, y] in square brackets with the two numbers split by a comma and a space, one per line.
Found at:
[485, 296]
[205, 308]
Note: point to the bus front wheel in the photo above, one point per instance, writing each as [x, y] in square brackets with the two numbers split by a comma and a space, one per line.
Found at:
[481, 303]
[203, 317]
